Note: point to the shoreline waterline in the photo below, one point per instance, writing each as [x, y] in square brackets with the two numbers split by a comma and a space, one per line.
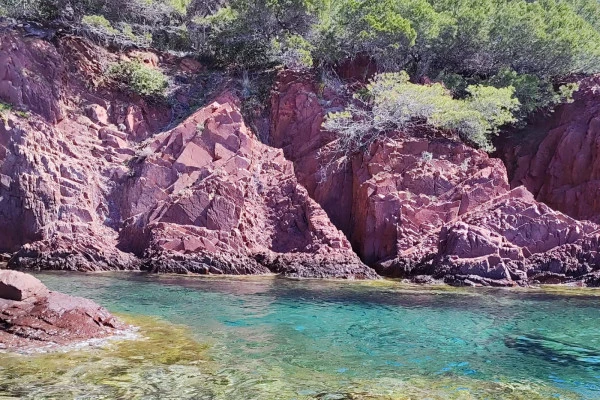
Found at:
[279, 338]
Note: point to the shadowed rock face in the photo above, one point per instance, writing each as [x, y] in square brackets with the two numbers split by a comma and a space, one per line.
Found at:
[558, 157]
[40, 318]
[452, 216]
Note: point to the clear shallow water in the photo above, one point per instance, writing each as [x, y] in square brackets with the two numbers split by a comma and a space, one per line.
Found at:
[271, 338]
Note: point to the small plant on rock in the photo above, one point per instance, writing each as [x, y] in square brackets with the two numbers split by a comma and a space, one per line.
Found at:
[98, 22]
[4, 109]
[143, 80]
[426, 156]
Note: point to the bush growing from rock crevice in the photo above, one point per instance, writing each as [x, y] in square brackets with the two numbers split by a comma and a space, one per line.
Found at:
[391, 103]
[143, 80]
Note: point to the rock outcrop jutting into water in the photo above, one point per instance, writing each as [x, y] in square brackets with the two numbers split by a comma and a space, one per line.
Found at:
[32, 317]
[449, 215]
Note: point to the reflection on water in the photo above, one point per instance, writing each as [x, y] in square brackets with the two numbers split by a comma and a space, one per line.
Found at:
[272, 338]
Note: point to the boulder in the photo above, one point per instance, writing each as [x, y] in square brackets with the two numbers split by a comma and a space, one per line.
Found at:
[50, 319]
[18, 286]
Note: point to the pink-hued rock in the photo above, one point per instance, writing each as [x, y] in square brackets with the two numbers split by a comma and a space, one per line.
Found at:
[424, 204]
[31, 72]
[97, 114]
[59, 171]
[297, 113]
[557, 157]
[80, 193]
[209, 197]
[401, 197]
[45, 319]
[18, 286]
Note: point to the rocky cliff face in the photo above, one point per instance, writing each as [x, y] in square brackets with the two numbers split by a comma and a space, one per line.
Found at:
[424, 204]
[88, 183]
[92, 178]
[558, 157]
[209, 190]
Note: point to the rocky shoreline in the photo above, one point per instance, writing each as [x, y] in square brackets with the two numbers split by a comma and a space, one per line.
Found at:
[33, 318]
[95, 179]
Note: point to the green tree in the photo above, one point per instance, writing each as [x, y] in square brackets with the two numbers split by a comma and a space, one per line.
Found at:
[392, 103]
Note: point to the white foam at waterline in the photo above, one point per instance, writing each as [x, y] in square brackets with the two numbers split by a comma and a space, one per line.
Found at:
[131, 333]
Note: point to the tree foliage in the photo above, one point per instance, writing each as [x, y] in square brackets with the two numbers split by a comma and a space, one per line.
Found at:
[533, 46]
[390, 103]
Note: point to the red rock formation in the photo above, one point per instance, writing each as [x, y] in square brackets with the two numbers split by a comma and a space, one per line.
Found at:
[297, 113]
[30, 74]
[558, 158]
[47, 319]
[19, 286]
[205, 197]
[209, 197]
[86, 180]
[424, 204]
[59, 169]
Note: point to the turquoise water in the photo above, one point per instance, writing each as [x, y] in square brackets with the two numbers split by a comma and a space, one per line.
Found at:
[273, 338]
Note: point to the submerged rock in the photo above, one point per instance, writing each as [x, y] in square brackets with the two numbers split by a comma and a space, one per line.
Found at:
[32, 317]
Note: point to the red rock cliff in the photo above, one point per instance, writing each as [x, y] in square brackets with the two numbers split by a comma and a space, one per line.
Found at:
[558, 157]
[450, 214]
[87, 182]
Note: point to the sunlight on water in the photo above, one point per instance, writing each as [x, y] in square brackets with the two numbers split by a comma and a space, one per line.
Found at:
[271, 338]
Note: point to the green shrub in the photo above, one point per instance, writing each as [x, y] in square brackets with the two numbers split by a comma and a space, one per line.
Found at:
[180, 6]
[534, 93]
[241, 35]
[98, 21]
[141, 79]
[4, 110]
[294, 52]
[40, 10]
[392, 103]
[4, 107]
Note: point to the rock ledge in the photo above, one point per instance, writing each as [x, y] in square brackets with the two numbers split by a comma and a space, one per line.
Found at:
[44, 320]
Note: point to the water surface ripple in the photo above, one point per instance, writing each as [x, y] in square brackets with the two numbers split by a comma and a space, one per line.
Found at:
[272, 338]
